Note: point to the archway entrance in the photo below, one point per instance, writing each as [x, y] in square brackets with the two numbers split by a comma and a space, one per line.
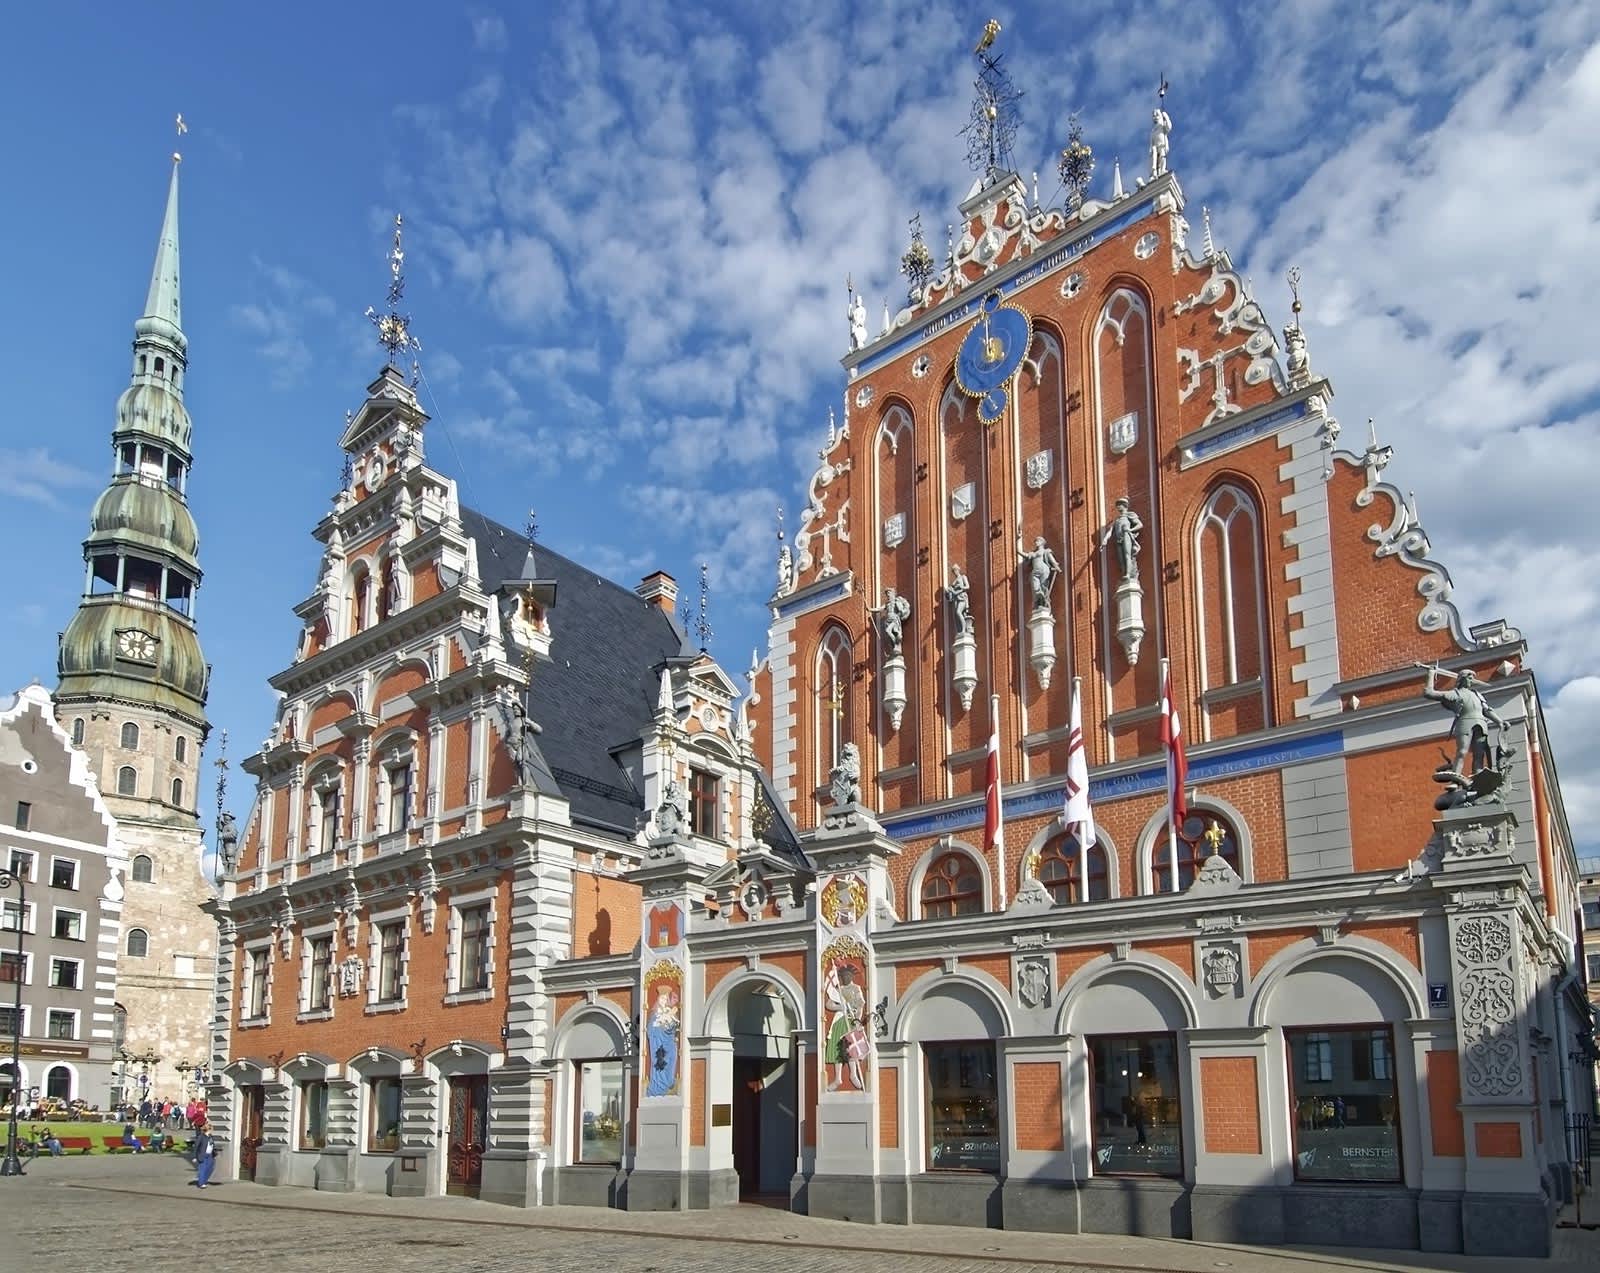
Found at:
[252, 1108]
[766, 1089]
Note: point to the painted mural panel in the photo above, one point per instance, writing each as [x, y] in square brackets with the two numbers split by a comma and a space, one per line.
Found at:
[846, 972]
[663, 999]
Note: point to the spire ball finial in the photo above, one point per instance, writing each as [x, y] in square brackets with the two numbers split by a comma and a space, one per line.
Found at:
[1294, 287]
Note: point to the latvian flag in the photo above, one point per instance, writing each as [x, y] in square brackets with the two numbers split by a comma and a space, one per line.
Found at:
[1172, 741]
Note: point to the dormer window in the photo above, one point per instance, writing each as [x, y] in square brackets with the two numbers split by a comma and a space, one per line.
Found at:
[704, 790]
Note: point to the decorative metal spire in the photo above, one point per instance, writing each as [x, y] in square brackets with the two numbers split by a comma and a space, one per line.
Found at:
[530, 530]
[394, 328]
[1208, 245]
[702, 624]
[992, 127]
[222, 829]
[1076, 165]
[917, 262]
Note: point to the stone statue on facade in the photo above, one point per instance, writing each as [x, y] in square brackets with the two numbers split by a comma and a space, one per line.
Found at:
[844, 779]
[1122, 534]
[858, 322]
[1042, 570]
[1160, 131]
[524, 742]
[785, 570]
[672, 814]
[1473, 716]
[227, 841]
[891, 623]
[960, 605]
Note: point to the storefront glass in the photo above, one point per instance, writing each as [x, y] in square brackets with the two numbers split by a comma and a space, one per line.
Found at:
[1342, 1086]
[599, 1111]
[963, 1107]
[1137, 1115]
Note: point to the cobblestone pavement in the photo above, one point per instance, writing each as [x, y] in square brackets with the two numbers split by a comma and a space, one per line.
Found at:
[127, 1214]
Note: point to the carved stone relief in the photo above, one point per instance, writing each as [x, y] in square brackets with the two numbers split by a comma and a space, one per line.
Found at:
[1486, 990]
[1033, 981]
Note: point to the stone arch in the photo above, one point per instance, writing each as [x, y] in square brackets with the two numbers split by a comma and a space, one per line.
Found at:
[715, 1018]
[1199, 804]
[1373, 984]
[591, 1031]
[919, 872]
[966, 1003]
[1121, 990]
[50, 1080]
[1228, 595]
[471, 1056]
[407, 673]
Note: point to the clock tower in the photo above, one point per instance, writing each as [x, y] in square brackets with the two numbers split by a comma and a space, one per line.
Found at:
[133, 693]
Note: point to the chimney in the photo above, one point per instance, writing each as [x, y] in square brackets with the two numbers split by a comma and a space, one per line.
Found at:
[660, 590]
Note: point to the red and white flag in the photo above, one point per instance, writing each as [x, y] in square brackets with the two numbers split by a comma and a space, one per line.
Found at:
[993, 829]
[1076, 815]
[1172, 741]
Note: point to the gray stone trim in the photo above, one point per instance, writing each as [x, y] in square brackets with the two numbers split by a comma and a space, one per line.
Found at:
[1316, 811]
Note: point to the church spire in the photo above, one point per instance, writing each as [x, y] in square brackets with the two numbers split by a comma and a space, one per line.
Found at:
[163, 307]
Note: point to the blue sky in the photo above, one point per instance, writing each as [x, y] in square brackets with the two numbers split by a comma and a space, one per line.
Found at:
[628, 231]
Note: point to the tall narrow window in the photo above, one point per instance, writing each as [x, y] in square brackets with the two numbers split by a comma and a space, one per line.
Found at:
[24, 815]
[360, 596]
[314, 1114]
[138, 943]
[258, 983]
[383, 1125]
[387, 592]
[77, 731]
[703, 796]
[399, 777]
[391, 952]
[599, 1110]
[143, 869]
[130, 736]
[328, 819]
[963, 1106]
[127, 781]
[1138, 1121]
[181, 749]
[319, 973]
[1229, 600]
[832, 688]
[177, 792]
[474, 969]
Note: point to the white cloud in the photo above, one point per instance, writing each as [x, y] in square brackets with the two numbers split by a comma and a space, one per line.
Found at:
[489, 33]
[35, 475]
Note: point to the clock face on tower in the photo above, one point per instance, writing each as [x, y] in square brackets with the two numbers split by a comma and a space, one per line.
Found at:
[136, 645]
[990, 355]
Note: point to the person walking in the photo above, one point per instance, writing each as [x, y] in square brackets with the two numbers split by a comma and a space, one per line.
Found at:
[205, 1155]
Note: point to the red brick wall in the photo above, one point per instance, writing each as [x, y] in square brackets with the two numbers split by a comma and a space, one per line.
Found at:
[697, 1101]
[1498, 1140]
[605, 915]
[1036, 1092]
[1444, 1095]
[1229, 1096]
[889, 1108]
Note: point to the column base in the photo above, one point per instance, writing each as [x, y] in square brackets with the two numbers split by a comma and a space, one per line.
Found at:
[1506, 1224]
[1040, 1205]
[414, 1173]
[838, 1197]
[335, 1171]
[656, 1191]
[513, 1178]
[1236, 1214]
[272, 1164]
[1149, 1208]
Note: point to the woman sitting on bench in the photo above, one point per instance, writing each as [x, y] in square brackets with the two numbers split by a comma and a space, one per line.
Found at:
[130, 1140]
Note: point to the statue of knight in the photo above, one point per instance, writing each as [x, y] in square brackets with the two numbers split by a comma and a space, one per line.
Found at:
[1489, 765]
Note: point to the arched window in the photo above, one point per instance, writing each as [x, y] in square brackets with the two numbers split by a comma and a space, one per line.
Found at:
[1069, 875]
[1203, 834]
[387, 595]
[360, 594]
[953, 886]
[1230, 602]
[130, 736]
[58, 1083]
[77, 731]
[127, 781]
[177, 792]
[143, 869]
[832, 688]
[180, 749]
[138, 943]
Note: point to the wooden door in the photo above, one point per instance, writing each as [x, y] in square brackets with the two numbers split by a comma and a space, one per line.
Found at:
[747, 1079]
[252, 1105]
[469, 1133]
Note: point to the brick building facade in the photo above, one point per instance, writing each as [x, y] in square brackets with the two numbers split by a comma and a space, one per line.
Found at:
[809, 974]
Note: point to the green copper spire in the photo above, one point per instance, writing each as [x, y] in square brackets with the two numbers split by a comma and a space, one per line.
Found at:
[163, 308]
[133, 640]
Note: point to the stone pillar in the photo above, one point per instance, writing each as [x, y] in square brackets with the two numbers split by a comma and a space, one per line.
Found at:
[672, 886]
[1038, 1187]
[1441, 1151]
[415, 1171]
[1505, 1210]
[851, 854]
[277, 1132]
[713, 1182]
[336, 1164]
[1236, 1140]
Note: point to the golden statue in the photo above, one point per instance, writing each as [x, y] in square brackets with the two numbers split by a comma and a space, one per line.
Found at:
[990, 30]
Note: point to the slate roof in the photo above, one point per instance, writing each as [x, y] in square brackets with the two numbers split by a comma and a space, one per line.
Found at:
[597, 691]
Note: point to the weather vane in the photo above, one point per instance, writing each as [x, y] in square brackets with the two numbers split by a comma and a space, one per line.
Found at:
[992, 127]
[917, 263]
[702, 625]
[394, 328]
[1076, 164]
[182, 129]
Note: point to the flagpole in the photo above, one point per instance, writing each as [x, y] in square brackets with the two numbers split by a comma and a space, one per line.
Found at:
[1000, 822]
[1172, 830]
[1083, 847]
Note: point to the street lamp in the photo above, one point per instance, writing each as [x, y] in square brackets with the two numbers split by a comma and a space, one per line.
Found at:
[12, 1166]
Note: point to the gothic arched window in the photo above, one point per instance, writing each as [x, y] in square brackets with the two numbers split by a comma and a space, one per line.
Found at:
[1069, 876]
[831, 683]
[1203, 834]
[360, 597]
[953, 886]
[1230, 595]
[130, 736]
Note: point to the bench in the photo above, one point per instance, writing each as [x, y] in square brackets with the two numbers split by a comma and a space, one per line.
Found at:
[75, 1144]
[114, 1145]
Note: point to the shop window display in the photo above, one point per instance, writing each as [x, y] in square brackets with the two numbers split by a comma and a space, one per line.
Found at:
[599, 1112]
[963, 1107]
[1138, 1117]
[1342, 1085]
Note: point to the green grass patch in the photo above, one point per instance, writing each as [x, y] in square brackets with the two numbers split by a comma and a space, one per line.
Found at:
[95, 1133]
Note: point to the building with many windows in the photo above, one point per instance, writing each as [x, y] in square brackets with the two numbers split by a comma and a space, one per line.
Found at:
[1084, 507]
[63, 909]
[132, 693]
